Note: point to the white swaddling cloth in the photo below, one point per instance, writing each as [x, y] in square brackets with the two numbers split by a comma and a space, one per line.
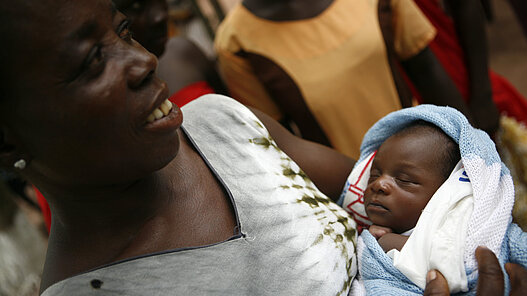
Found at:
[438, 239]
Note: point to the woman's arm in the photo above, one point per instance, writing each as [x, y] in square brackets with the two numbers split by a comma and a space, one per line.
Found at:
[327, 168]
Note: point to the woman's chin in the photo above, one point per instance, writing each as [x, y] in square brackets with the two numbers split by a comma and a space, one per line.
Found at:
[166, 156]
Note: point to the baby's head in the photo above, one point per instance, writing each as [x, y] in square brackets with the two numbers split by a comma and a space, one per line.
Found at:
[407, 170]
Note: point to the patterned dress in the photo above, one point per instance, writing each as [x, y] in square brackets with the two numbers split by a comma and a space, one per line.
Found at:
[291, 239]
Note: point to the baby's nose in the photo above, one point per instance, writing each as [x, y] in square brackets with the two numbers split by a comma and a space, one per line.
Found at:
[382, 184]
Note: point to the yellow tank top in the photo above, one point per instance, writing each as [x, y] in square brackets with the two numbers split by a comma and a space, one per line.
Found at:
[337, 59]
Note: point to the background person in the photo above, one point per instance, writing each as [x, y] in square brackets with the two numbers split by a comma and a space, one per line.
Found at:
[330, 66]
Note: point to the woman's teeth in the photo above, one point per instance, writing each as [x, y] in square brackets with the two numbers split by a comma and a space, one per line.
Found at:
[160, 112]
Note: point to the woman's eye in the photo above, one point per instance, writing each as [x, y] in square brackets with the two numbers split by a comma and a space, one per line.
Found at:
[124, 31]
[95, 57]
[93, 64]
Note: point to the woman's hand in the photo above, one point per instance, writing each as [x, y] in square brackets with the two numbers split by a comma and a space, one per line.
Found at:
[518, 278]
[490, 280]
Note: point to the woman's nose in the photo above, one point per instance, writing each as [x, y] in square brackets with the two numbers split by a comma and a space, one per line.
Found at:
[141, 66]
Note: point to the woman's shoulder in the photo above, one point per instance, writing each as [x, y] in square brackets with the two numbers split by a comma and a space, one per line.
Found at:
[214, 112]
[213, 103]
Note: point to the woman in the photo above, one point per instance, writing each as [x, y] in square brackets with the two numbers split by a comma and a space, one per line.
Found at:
[76, 123]
[146, 207]
[182, 65]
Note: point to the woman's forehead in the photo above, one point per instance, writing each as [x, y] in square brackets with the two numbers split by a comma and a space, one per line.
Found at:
[44, 35]
[55, 24]
[35, 15]
[121, 4]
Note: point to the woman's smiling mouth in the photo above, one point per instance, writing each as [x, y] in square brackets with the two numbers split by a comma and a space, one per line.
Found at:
[164, 118]
[160, 112]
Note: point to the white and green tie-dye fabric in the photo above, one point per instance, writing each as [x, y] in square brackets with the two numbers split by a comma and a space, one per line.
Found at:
[292, 239]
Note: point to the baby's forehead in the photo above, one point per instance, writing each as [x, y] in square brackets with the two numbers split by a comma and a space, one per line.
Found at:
[420, 128]
[423, 143]
[420, 144]
[418, 135]
[426, 133]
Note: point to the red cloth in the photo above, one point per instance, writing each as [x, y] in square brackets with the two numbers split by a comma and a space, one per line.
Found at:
[180, 98]
[190, 93]
[44, 207]
[449, 52]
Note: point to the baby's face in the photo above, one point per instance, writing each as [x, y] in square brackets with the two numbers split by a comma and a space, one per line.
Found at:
[404, 175]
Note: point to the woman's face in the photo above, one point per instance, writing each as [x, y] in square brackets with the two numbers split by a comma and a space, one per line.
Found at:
[149, 22]
[79, 91]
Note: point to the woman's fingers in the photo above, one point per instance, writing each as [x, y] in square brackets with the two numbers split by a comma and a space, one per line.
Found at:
[518, 278]
[436, 284]
[490, 278]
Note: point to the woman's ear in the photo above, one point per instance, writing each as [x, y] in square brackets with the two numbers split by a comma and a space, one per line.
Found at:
[10, 157]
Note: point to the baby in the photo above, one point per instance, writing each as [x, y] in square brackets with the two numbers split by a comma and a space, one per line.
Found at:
[407, 170]
[412, 183]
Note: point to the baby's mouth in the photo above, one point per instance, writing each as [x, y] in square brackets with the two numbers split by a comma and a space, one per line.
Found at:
[378, 206]
[160, 112]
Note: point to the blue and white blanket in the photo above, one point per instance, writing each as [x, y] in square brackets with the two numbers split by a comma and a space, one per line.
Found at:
[493, 198]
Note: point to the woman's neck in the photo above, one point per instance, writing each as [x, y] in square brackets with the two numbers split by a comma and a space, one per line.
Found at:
[110, 225]
[99, 206]
[156, 213]
[90, 233]
[287, 10]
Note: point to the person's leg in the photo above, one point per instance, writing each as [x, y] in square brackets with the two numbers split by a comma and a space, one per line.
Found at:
[489, 10]
[520, 8]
